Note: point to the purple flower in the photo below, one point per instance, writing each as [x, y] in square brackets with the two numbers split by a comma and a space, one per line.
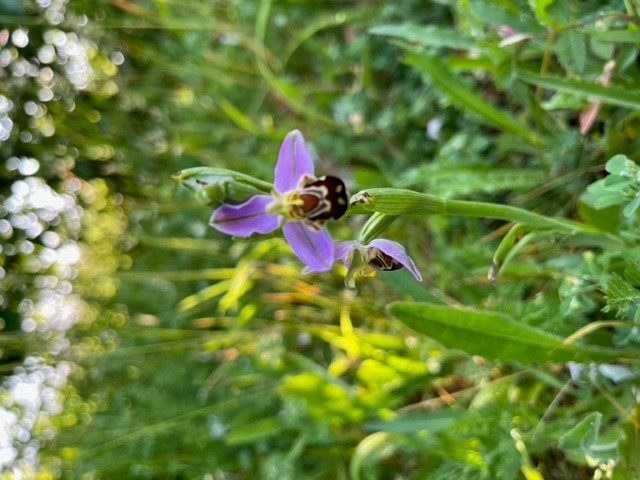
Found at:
[380, 254]
[301, 203]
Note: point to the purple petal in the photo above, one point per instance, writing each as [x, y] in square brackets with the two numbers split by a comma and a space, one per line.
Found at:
[246, 219]
[342, 251]
[294, 162]
[315, 249]
[396, 251]
[575, 370]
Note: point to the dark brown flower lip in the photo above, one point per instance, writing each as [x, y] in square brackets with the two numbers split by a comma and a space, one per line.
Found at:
[382, 261]
[332, 192]
[379, 254]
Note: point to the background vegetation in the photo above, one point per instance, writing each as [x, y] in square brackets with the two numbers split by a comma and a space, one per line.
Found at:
[137, 342]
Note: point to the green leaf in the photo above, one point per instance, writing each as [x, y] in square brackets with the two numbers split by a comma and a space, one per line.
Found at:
[467, 98]
[429, 35]
[584, 434]
[502, 13]
[581, 442]
[632, 271]
[415, 423]
[613, 184]
[606, 201]
[621, 295]
[616, 36]
[572, 51]
[608, 219]
[540, 7]
[604, 50]
[619, 165]
[609, 95]
[495, 335]
[625, 57]
[630, 210]
[553, 14]
[255, 431]
[616, 183]
[565, 101]
[599, 199]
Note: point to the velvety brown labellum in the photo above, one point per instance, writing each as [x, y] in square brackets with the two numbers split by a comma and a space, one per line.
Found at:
[328, 196]
[382, 261]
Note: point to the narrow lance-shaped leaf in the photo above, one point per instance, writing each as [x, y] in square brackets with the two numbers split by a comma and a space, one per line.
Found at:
[496, 336]
[610, 95]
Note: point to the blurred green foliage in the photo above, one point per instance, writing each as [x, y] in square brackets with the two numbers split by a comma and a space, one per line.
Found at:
[202, 357]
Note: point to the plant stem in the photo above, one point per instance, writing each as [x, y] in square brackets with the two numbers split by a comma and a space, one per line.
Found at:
[394, 201]
[374, 226]
[513, 214]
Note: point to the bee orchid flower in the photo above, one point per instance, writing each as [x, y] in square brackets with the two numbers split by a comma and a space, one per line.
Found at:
[379, 254]
[300, 203]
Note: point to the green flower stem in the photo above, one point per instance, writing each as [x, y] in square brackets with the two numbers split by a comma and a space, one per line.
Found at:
[394, 201]
[515, 214]
[374, 226]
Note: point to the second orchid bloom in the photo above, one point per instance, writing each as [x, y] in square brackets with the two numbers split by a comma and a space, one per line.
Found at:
[379, 254]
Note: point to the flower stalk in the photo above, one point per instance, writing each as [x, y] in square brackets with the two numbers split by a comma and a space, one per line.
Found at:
[374, 226]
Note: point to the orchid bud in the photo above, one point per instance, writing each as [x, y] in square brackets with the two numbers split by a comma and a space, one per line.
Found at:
[218, 185]
[396, 201]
